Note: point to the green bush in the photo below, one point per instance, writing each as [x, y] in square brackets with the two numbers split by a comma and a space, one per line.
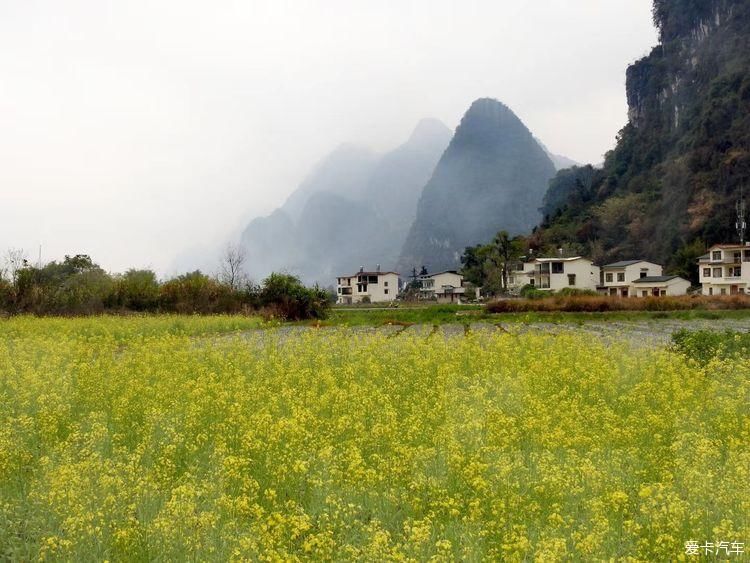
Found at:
[531, 292]
[285, 297]
[705, 345]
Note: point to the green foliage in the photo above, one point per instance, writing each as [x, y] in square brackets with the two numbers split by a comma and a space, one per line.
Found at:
[530, 292]
[136, 290]
[705, 345]
[78, 286]
[573, 291]
[489, 265]
[287, 298]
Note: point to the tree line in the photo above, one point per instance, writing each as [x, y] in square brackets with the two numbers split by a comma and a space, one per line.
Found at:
[79, 286]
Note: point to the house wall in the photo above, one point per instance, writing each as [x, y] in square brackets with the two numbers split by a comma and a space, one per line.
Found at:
[586, 275]
[386, 289]
[631, 273]
[677, 286]
[726, 271]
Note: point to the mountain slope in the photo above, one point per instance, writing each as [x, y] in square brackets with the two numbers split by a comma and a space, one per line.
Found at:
[670, 185]
[353, 210]
[492, 176]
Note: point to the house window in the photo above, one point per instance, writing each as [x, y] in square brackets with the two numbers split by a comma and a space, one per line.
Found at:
[746, 255]
[557, 267]
[620, 276]
[717, 272]
[609, 277]
[663, 292]
[716, 255]
[338, 290]
[735, 272]
[644, 273]
[644, 293]
[385, 291]
[706, 272]
[571, 279]
[710, 290]
[372, 279]
[723, 290]
[737, 256]
[385, 284]
[531, 282]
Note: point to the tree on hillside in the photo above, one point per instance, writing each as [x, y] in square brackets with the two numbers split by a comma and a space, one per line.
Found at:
[15, 260]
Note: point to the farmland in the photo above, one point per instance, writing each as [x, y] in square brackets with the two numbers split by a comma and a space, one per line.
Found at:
[173, 438]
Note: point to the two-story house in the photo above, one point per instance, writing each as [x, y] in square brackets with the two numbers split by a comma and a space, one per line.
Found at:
[555, 274]
[375, 287]
[445, 287]
[617, 278]
[725, 269]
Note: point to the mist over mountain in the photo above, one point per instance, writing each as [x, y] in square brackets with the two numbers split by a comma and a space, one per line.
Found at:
[492, 176]
[670, 185]
[354, 209]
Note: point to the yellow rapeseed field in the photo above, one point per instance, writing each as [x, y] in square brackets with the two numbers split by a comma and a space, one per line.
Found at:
[180, 438]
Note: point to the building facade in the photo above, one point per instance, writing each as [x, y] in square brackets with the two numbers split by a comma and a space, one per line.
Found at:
[617, 278]
[659, 286]
[372, 287]
[445, 287]
[725, 270]
[554, 274]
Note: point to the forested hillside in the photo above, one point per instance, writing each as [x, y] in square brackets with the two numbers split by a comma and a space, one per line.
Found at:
[670, 185]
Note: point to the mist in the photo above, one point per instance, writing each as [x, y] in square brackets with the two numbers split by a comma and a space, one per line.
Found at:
[148, 133]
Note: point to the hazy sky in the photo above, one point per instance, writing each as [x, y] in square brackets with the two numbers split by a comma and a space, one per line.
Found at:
[141, 131]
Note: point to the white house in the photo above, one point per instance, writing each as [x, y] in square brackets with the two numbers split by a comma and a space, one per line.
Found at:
[725, 269]
[520, 274]
[446, 287]
[555, 274]
[377, 287]
[659, 286]
[617, 277]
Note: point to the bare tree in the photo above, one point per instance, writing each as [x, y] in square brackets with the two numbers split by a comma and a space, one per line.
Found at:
[15, 260]
[232, 271]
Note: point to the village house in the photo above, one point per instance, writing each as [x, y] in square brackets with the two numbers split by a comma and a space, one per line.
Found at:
[445, 287]
[364, 287]
[617, 278]
[725, 269]
[554, 274]
[658, 286]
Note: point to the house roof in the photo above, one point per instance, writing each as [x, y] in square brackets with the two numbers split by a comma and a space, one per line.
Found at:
[623, 263]
[366, 274]
[656, 279]
[443, 272]
[558, 259]
[725, 246]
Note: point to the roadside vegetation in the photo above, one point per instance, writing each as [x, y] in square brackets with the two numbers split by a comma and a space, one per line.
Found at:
[78, 286]
[603, 303]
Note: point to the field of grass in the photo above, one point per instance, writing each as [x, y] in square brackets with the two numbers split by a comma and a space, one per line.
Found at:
[466, 314]
[185, 438]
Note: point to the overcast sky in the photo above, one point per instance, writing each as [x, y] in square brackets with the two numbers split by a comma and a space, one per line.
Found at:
[141, 131]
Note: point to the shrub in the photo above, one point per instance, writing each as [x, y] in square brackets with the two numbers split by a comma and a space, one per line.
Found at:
[285, 295]
[705, 345]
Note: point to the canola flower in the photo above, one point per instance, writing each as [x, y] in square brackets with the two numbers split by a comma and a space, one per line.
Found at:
[173, 438]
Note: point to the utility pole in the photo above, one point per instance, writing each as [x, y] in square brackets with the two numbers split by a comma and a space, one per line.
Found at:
[741, 225]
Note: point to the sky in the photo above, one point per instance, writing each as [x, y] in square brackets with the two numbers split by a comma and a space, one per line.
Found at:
[147, 133]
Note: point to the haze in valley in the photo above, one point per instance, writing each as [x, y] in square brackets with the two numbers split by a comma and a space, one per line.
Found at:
[149, 133]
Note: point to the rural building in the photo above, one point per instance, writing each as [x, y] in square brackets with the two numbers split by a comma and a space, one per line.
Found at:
[555, 274]
[445, 287]
[657, 286]
[618, 277]
[520, 274]
[373, 287]
[725, 269]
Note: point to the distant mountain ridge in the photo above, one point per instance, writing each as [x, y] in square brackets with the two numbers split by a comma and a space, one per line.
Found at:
[492, 176]
[354, 209]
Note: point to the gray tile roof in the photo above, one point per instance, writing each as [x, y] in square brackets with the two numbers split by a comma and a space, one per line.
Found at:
[655, 279]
